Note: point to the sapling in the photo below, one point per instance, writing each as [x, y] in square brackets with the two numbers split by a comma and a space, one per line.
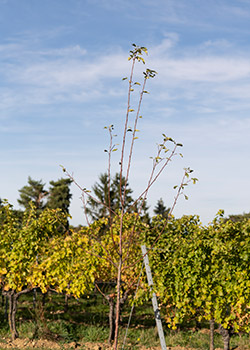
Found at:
[123, 257]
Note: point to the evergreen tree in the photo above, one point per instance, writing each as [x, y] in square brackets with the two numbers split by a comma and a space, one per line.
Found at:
[161, 209]
[108, 194]
[59, 195]
[59, 198]
[34, 192]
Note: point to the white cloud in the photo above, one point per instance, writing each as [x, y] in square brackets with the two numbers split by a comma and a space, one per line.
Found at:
[205, 69]
[216, 45]
[237, 11]
[69, 71]
[204, 82]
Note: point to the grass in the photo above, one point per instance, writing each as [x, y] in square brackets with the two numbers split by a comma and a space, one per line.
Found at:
[86, 320]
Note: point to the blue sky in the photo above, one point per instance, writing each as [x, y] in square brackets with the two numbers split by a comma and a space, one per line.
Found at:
[61, 65]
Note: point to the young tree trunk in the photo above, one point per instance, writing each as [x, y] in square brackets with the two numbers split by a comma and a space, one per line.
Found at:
[44, 298]
[66, 303]
[118, 304]
[12, 298]
[225, 333]
[12, 314]
[197, 326]
[111, 320]
[6, 307]
[211, 323]
[34, 297]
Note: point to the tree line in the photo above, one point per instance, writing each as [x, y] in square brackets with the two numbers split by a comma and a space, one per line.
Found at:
[107, 198]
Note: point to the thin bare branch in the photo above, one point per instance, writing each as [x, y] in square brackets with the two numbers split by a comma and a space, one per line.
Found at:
[87, 192]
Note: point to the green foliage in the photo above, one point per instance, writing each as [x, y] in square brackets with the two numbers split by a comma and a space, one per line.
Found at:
[86, 321]
[21, 243]
[4, 213]
[203, 272]
[66, 265]
[107, 248]
[238, 217]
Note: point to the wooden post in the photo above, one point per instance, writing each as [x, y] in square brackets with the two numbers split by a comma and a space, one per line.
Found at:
[154, 298]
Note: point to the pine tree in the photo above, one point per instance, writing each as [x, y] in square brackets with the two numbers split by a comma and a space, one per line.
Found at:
[59, 195]
[161, 209]
[35, 193]
[109, 195]
[59, 198]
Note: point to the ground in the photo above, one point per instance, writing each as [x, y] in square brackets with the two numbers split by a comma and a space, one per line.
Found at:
[47, 344]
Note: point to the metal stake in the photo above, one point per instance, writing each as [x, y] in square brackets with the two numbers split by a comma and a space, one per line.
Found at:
[154, 298]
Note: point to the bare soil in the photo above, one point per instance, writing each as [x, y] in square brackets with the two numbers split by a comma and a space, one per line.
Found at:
[51, 345]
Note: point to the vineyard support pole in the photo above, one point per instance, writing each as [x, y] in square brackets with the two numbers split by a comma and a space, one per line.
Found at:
[154, 298]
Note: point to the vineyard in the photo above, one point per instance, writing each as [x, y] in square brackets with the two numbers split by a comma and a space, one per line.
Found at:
[201, 277]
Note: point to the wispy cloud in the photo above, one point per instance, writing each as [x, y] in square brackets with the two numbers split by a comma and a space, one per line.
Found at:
[203, 76]
[239, 12]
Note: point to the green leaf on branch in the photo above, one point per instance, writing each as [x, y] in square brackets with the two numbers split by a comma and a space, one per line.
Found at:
[63, 169]
[168, 139]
